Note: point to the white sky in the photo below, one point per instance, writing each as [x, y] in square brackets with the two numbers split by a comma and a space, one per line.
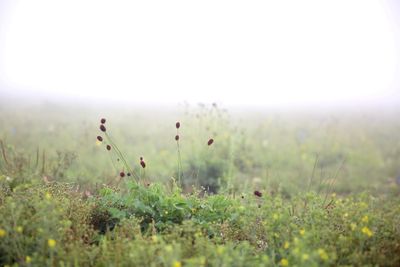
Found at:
[234, 52]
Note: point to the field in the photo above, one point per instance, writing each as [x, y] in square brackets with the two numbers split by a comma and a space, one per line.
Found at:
[274, 188]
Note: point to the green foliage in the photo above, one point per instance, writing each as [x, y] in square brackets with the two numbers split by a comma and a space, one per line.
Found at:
[152, 227]
[63, 203]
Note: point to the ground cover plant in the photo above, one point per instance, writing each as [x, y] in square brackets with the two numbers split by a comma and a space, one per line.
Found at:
[198, 187]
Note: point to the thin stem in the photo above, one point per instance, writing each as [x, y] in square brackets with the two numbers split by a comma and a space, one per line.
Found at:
[330, 186]
[121, 156]
[179, 164]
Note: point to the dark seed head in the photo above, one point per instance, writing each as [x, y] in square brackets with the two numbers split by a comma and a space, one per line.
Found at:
[122, 174]
[210, 142]
[177, 137]
[141, 158]
[129, 174]
[143, 164]
[257, 193]
[102, 128]
[103, 120]
[100, 138]
[108, 147]
[178, 125]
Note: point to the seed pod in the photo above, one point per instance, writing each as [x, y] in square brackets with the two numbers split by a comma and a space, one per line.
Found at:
[178, 125]
[103, 121]
[257, 193]
[141, 158]
[177, 137]
[143, 164]
[122, 174]
[210, 142]
[102, 128]
[108, 147]
[129, 174]
[100, 138]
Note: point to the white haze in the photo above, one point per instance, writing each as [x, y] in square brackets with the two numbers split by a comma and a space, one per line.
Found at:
[259, 53]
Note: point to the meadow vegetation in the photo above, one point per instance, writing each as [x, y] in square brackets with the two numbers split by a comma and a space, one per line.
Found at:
[272, 188]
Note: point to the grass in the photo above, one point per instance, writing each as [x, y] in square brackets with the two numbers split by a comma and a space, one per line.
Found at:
[273, 189]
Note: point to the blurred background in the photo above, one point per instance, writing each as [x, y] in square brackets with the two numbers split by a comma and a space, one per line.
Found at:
[289, 91]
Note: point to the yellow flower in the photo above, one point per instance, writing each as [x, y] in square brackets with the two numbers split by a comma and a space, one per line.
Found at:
[284, 262]
[177, 264]
[286, 245]
[302, 232]
[365, 230]
[365, 219]
[353, 226]
[51, 243]
[220, 250]
[322, 254]
[19, 229]
[154, 238]
[28, 259]
[2, 232]
[47, 196]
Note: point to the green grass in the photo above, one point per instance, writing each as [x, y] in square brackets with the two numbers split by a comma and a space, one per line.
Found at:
[329, 195]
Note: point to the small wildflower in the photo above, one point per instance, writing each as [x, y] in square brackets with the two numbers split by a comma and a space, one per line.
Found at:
[210, 142]
[353, 226]
[302, 232]
[142, 163]
[365, 230]
[51, 243]
[322, 254]
[19, 229]
[154, 238]
[177, 125]
[108, 147]
[100, 138]
[284, 262]
[102, 128]
[2, 232]
[28, 259]
[176, 137]
[365, 219]
[103, 121]
[257, 193]
[177, 264]
[47, 196]
[286, 245]
[122, 174]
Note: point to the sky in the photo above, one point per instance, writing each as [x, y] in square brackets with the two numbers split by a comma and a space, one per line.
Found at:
[257, 53]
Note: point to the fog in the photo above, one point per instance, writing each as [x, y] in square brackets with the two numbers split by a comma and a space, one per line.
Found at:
[259, 54]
